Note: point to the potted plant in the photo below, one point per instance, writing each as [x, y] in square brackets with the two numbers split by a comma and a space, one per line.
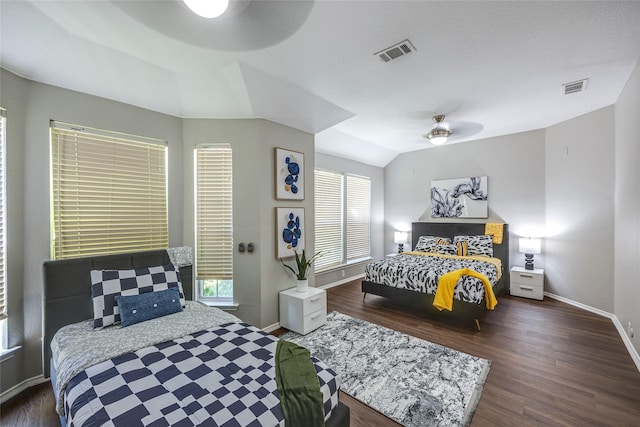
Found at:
[301, 269]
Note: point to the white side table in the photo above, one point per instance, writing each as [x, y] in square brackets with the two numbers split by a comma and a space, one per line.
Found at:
[527, 283]
[303, 312]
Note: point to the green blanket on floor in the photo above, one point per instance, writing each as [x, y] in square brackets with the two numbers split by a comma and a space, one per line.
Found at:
[298, 386]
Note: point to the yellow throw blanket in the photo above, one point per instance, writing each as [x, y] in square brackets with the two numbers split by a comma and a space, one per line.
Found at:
[447, 283]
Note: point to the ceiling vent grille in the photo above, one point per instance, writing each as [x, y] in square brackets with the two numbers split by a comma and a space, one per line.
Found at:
[395, 51]
[575, 87]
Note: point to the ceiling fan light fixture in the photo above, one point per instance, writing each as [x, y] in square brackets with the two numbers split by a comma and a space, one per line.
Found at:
[437, 140]
[207, 8]
[438, 135]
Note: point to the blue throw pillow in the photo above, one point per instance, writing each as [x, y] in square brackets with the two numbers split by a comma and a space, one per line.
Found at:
[138, 308]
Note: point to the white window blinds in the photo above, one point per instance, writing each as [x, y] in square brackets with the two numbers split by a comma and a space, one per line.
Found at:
[358, 213]
[328, 218]
[3, 210]
[109, 192]
[214, 213]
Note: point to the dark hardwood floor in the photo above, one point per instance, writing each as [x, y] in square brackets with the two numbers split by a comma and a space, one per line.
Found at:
[552, 364]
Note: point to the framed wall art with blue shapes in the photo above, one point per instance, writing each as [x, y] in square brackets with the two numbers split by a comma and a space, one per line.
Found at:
[289, 231]
[289, 175]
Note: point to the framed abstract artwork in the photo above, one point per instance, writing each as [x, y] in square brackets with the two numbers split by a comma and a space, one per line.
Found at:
[289, 174]
[460, 198]
[289, 231]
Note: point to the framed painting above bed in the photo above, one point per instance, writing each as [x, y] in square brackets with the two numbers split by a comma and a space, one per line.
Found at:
[459, 198]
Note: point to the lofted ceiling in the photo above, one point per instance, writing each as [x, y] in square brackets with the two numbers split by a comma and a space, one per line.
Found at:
[494, 68]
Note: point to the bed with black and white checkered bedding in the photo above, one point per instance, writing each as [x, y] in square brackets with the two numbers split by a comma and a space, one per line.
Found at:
[221, 376]
[119, 374]
[421, 273]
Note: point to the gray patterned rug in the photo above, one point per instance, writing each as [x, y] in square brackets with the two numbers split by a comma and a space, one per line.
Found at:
[413, 381]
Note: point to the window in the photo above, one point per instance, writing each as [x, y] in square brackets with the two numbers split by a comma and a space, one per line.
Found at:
[109, 192]
[342, 218]
[3, 252]
[328, 218]
[358, 211]
[214, 223]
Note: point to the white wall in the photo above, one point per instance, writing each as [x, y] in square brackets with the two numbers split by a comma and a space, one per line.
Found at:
[257, 277]
[627, 206]
[513, 164]
[274, 276]
[580, 210]
[337, 164]
[244, 137]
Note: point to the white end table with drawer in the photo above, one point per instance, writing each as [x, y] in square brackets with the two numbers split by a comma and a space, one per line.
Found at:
[303, 312]
[527, 283]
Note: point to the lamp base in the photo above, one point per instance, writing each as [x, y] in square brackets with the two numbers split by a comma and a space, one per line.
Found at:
[528, 261]
[400, 247]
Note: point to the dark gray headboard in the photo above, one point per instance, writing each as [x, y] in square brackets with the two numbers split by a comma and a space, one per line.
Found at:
[451, 229]
[67, 288]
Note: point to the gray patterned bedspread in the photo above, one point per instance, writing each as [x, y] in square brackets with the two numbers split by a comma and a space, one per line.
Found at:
[78, 346]
[421, 273]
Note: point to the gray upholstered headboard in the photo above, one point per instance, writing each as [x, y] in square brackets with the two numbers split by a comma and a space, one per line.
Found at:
[67, 288]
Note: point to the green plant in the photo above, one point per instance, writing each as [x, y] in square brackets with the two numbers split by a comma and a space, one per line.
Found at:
[302, 264]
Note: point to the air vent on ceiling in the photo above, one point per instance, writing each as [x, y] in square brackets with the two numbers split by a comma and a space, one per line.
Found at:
[395, 51]
[575, 87]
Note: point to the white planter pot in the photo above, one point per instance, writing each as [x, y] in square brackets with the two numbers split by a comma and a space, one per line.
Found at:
[302, 285]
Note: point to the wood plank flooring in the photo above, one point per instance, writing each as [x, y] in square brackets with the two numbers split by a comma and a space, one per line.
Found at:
[552, 364]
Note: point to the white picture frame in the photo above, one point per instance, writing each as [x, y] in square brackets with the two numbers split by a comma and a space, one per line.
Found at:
[289, 174]
[289, 231]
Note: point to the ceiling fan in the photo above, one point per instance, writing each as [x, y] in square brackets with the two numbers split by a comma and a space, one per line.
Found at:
[440, 132]
[443, 130]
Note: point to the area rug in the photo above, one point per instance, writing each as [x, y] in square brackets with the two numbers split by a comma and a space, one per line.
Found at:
[412, 381]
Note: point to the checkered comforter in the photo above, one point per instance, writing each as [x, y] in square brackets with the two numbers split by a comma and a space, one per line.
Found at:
[222, 376]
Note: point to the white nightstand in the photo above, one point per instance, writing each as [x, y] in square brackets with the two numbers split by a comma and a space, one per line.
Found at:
[391, 255]
[303, 312]
[527, 283]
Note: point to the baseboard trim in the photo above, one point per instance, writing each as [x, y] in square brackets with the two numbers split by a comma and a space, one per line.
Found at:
[341, 282]
[19, 388]
[271, 328]
[614, 319]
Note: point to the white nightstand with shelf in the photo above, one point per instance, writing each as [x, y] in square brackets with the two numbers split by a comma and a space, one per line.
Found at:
[527, 283]
[303, 312]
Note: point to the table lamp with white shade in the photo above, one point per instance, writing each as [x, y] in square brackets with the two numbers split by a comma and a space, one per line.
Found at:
[529, 246]
[400, 237]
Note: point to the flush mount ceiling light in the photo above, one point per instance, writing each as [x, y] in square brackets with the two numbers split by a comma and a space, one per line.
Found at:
[439, 134]
[207, 8]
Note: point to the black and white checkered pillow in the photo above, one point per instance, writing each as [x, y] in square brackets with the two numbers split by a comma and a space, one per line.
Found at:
[106, 285]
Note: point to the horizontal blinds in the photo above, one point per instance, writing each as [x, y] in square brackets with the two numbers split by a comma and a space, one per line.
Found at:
[328, 218]
[214, 213]
[3, 306]
[358, 217]
[109, 193]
